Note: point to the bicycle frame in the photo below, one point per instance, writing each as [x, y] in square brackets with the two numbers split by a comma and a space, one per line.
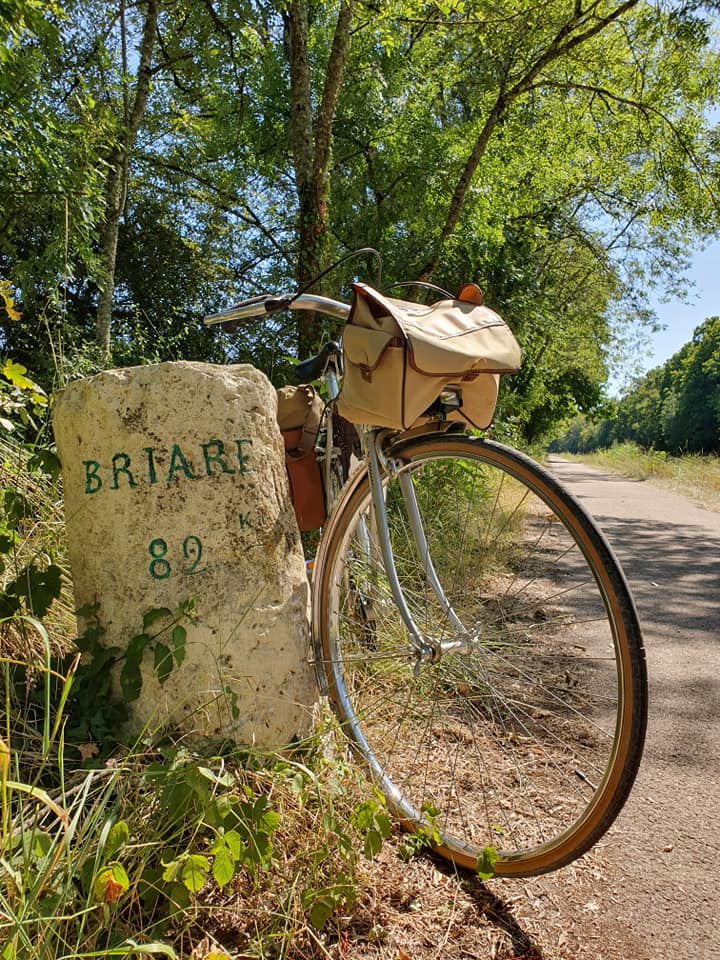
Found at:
[426, 648]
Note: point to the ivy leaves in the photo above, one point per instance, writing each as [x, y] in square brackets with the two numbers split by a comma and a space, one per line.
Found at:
[36, 587]
[98, 711]
[166, 656]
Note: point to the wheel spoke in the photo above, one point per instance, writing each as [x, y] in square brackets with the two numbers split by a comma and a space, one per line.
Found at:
[512, 736]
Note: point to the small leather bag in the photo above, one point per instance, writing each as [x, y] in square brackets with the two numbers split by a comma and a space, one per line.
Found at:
[300, 411]
[400, 356]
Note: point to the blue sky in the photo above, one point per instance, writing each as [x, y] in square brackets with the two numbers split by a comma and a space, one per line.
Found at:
[680, 318]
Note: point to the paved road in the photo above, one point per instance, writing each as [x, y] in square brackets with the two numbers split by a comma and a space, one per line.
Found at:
[665, 850]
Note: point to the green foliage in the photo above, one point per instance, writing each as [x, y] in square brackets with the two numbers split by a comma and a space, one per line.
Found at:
[144, 854]
[33, 588]
[22, 400]
[96, 711]
[674, 408]
[31, 581]
[229, 831]
[563, 166]
[63, 849]
[371, 819]
[322, 903]
[692, 475]
[486, 863]
[425, 837]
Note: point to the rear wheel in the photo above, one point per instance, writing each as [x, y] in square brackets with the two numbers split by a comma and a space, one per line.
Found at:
[525, 734]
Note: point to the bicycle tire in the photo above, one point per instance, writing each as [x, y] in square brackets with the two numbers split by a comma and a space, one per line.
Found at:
[524, 747]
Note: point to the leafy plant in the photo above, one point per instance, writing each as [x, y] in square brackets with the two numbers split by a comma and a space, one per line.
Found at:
[425, 837]
[34, 588]
[167, 645]
[21, 400]
[97, 712]
[486, 864]
[61, 845]
[31, 579]
[131, 857]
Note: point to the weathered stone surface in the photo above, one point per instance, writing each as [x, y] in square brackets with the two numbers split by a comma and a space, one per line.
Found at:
[175, 488]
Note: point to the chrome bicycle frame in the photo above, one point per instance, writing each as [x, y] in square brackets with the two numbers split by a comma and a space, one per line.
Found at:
[426, 648]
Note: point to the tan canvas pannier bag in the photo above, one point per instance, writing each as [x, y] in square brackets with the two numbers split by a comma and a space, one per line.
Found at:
[299, 414]
[400, 356]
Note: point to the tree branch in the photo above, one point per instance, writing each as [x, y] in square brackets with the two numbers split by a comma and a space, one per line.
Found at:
[561, 44]
[645, 109]
[333, 80]
[226, 202]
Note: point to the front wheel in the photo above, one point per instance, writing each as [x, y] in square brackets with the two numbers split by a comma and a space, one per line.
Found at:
[524, 732]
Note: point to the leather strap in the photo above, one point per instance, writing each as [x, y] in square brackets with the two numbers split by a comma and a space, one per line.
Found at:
[311, 426]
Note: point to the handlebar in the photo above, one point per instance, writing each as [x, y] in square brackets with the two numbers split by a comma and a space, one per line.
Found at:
[266, 304]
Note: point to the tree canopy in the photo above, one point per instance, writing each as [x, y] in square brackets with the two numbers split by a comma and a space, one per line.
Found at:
[161, 158]
[674, 408]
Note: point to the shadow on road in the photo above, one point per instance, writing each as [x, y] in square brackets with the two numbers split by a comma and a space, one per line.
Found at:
[673, 572]
[498, 912]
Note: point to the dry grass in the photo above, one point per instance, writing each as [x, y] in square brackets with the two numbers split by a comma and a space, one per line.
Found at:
[39, 540]
[693, 475]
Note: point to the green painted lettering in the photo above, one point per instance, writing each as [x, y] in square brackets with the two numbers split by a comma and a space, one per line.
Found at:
[216, 457]
[92, 479]
[192, 551]
[121, 464]
[244, 468]
[159, 567]
[178, 462]
[152, 475]
[244, 520]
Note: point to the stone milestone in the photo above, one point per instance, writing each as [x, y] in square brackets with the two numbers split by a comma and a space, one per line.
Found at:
[175, 489]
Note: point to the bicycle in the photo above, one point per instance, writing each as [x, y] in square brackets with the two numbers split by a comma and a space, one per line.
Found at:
[475, 635]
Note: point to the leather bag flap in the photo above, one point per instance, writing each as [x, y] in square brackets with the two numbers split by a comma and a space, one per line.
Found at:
[294, 404]
[299, 414]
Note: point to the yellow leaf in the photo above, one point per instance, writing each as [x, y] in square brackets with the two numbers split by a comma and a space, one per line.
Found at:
[6, 294]
[110, 884]
[15, 373]
[4, 761]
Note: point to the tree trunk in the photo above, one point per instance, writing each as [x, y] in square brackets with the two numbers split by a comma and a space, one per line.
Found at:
[117, 179]
[312, 140]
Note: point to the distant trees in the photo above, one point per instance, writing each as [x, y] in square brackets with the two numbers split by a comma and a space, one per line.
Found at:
[159, 159]
[675, 408]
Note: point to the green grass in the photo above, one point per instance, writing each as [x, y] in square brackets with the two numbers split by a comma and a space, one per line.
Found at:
[693, 475]
[158, 849]
[149, 849]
